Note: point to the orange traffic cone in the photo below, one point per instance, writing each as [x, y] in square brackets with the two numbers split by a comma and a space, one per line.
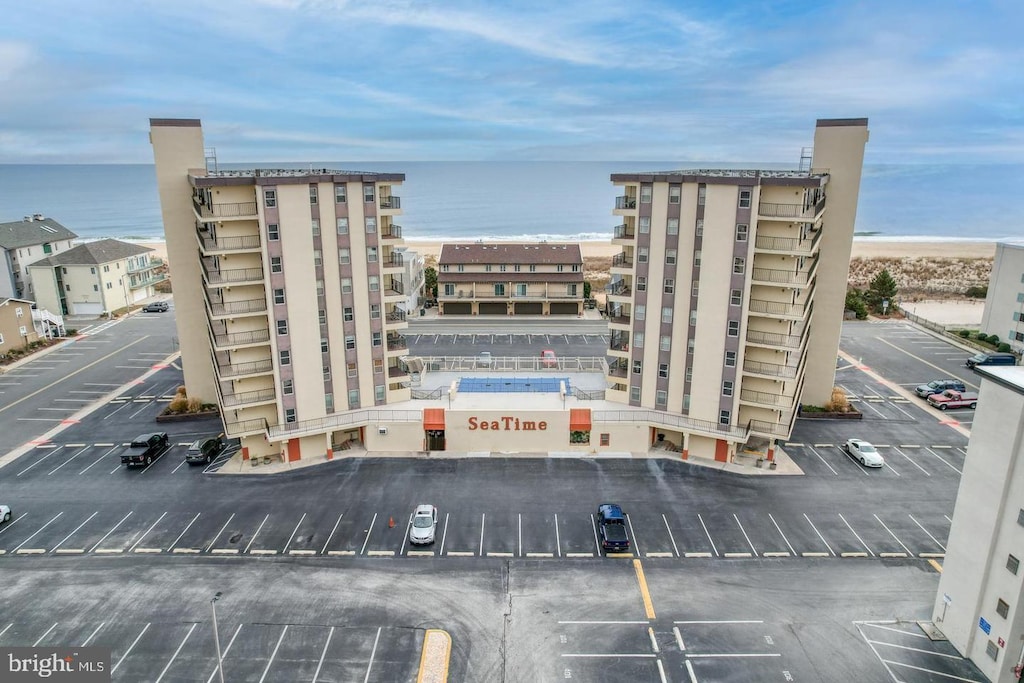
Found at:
[391, 522]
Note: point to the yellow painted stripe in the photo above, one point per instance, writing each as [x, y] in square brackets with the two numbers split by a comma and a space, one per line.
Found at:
[935, 565]
[434, 660]
[642, 580]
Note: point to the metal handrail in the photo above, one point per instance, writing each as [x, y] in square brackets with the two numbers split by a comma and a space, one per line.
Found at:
[229, 400]
[735, 432]
[251, 367]
[621, 259]
[773, 369]
[392, 231]
[625, 202]
[766, 397]
[391, 202]
[245, 306]
[226, 210]
[621, 232]
[238, 242]
[238, 338]
[775, 307]
[216, 276]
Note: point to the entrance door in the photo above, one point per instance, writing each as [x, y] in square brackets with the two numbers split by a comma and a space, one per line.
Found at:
[435, 439]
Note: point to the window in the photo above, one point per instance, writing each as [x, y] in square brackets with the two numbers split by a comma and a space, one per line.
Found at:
[702, 193]
[371, 223]
[350, 342]
[641, 284]
[669, 286]
[92, 271]
[499, 289]
[723, 417]
[110, 285]
[673, 226]
[638, 367]
[282, 327]
[339, 194]
[106, 269]
[371, 254]
[742, 230]
[273, 232]
[735, 297]
[1013, 564]
[1002, 608]
[353, 398]
[374, 311]
[275, 265]
[95, 288]
[278, 296]
[533, 268]
[645, 194]
[695, 288]
[487, 268]
[686, 401]
[289, 415]
[344, 256]
[666, 314]
[634, 393]
[445, 268]
[739, 265]
[521, 289]
[662, 369]
[377, 339]
[517, 268]
[992, 650]
[670, 257]
[730, 359]
[285, 357]
[462, 268]
[661, 397]
[322, 316]
[318, 257]
[324, 345]
[374, 283]
[368, 194]
[378, 365]
[329, 402]
[576, 267]
[696, 258]
[640, 311]
[346, 314]
[693, 318]
[688, 375]
[312, 194]
[287, 387]
[674, 192]
[378, 393]
[449, 290]
[734, 328]
[559, 268]
[351, 367]
[745, 199]
[342, 226]
[605, 439]
[666, 342]
[689, 346]
[346, 285]
[638, 340]
[270, 198]
[727, 388]
[502, 268]
[641, 255]
[314, 225]
[327, 373]
[699, 232]
[67, 287]
[645, 224]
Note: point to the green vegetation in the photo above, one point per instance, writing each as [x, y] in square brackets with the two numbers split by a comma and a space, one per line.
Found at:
[1003, 347]
[430, 281]
[882, 289]
[977, 292]
[586, 289]
[855, 303]
[966, 334]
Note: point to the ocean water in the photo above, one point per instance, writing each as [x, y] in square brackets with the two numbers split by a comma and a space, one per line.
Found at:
[529, 200]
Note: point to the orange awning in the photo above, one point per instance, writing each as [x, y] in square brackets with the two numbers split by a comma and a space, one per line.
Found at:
[433, 418]
[579, 419]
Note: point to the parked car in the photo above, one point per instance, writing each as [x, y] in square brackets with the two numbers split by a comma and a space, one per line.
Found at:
[144, 449]
[991, 359]
[548, 359]
[423, 525]
[937, 386]
[611, 525]
[863, 452]
[204, 450]
[5, 513]
[484, 360]
[156, 307]
[950, 398]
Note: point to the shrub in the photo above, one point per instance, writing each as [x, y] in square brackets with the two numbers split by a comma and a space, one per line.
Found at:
[966, 334]
[977, 291]
[838, 403]
[993, 339]
[1004, 347]
[982, 336]
[195, 405]
[180, 391]
[178, 404]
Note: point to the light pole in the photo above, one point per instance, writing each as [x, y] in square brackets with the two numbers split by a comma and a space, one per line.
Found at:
[216, 636]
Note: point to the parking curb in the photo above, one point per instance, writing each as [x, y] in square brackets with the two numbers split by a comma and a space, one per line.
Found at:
[436, 656]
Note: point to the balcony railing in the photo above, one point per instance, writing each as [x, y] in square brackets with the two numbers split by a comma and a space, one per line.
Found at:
[397, 371]
[781, 277]
[790, 245]
[239, 243]
[619, 368]
[622, 232]
[394, 260]
[792, 341]
[397, 342]
[396, 316]
[215, 276]
[141, 269]
[242, 338]
[626, 202]
[771, 428]
[673, 420]
[248, 397]
[773, 210]
[766, 398]
[391, 202]
[618, 288]
[394, 287]
[236, 210]
[393, 232]
[237, 307]
[246, 427]
[622, 260]
[136, 283]
[618, 315]
[776, 307]
[619, 343]
[250, 368]
[773, 369]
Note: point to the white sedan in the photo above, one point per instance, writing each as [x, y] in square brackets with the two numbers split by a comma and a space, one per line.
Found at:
[423, 524]
[5, 513]
[863, 452]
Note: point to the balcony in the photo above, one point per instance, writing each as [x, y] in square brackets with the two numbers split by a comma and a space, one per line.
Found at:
[396, 316]
[618, 288]
[391, 232]
[773, 370]
[248, 398]
[226, 369]
[776, 339]
[617, 316]
[767, 399]
[625, 203]
[224, 245]
[152, 279]
[619, 368]
[246, 427]
[623, 232]
[790, 211]
[397, 342]
[788, 245]
[397, 371]
[236, 210]
[778, 309]
[395, 260]
[622, 260]
[230, 340]
[228, 309]
[618, 342]
[391, 202]
[394, 288]
[236, 276]
[780, 430]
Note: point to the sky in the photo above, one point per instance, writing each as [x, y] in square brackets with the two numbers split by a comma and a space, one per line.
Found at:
[941, 81]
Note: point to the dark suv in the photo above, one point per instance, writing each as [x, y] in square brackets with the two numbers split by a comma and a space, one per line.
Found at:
[937, 386]
[156, 307]
[611, 524]
[204, 450]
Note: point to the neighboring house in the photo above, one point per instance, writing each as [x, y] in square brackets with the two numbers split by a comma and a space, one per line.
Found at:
[16, 329]
[412, 278]
[1004, 305]
[95, 277]
[24, 242]
[510, 279]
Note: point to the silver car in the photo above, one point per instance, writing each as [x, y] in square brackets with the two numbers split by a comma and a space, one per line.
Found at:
[423, 525]
[863, 452]
[5, 513]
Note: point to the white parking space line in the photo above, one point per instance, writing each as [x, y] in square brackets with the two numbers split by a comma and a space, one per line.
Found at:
[37, 462]
[54, 548]
[946, 462]
[636, 543]
[55, 517]
[893, 535]
[689, 670]
[5, 629]
[520, 516]
[67, 461]
[258, 530]
[671, 537]
[324, 549]
[176, 653]
[114, 412]
[710, 540]
[558, 540]
[444, 533]
[597, 544]
[131, 647]
[408, 529]
[220, 532]
[135, 545]
[91, 635]
[180, 465]
[323, 654]
[40, 639]
[170, 548]
[744, 532]
[273, 654]
[819, 535]
[825, 462]
[927, 473]
[870, 552]
[483, 520]
[373, 653]
[228, 649]
[779, 529]
[112, 530]
[98, 460]
[10, 524]
[362, 551]
[896, 406]
[284, 551]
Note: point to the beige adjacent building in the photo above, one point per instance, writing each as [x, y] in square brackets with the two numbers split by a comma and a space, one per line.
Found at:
[16, 328]
[510, 279]
[979, 605]
[24, 242]
[726, 302]
[1004, 303]
[95, 278]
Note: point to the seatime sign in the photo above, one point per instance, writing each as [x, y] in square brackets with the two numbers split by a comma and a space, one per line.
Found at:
[507, 423]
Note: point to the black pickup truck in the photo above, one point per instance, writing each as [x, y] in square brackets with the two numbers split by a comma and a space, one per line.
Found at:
[144, 449]
[611, 524]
